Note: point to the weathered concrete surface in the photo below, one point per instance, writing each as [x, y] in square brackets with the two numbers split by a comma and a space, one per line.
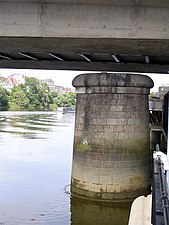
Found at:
[79, 26]
[111, 145]
[112, 19]
[141, 211]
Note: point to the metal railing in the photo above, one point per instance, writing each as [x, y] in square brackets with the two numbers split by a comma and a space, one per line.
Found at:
[160, 187]
[163, 192]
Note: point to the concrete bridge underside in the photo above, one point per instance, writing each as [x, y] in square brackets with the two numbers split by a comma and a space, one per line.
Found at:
[109, 35]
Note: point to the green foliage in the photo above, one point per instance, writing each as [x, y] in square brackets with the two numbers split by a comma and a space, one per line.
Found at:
[65, 99]
[18, 99]
[152, 94]
[4, 97]
[34, 95]
[38, 94]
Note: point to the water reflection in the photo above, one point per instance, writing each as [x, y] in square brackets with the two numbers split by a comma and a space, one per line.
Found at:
[85, 212]
[35, 166]
[35, 170]
[30, 124]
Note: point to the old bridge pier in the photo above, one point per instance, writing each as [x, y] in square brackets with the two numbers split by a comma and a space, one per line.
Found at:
[111, 158]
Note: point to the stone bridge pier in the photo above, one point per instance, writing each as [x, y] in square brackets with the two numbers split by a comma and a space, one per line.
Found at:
[111, 157]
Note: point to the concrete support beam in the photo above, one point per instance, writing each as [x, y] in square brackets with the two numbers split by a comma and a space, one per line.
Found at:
[133, 19]
[94, 66]
[86, 27]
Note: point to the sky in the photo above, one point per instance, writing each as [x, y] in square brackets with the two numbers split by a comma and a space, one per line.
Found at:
[64, 78]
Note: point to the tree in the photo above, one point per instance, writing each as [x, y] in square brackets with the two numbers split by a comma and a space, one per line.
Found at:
[38, 93]
[65, 99]
[4, 99]
[18, 99]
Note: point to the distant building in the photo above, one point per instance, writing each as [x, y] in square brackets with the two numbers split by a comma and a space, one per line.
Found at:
[53, 87]
[5, 83]
[63, 89]
[9, 82]
[16, 79]
[162, 90]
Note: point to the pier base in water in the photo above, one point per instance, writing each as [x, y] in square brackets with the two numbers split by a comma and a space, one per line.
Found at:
[111, 157]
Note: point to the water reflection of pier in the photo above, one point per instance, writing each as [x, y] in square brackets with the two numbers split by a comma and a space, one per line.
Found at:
[85, 212]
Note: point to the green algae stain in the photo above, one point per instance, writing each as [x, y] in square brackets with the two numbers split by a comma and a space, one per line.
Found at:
[83, 147]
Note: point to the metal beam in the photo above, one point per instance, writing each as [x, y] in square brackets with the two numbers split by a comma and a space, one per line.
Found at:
[85, 57]
[56, 56]
[115, 58]
[5, 57]
[27, 55]
[147, 59]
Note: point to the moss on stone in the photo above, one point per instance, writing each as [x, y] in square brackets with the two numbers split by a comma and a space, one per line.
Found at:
[82, 147]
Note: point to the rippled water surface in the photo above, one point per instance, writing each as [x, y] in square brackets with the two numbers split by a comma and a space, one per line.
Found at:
[35, 169]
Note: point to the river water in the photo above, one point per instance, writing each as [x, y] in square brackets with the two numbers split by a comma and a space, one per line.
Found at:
[35, 171]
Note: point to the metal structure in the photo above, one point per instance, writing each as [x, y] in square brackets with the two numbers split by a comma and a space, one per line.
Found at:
[160, 201]
[85, 61]
[160, 187]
